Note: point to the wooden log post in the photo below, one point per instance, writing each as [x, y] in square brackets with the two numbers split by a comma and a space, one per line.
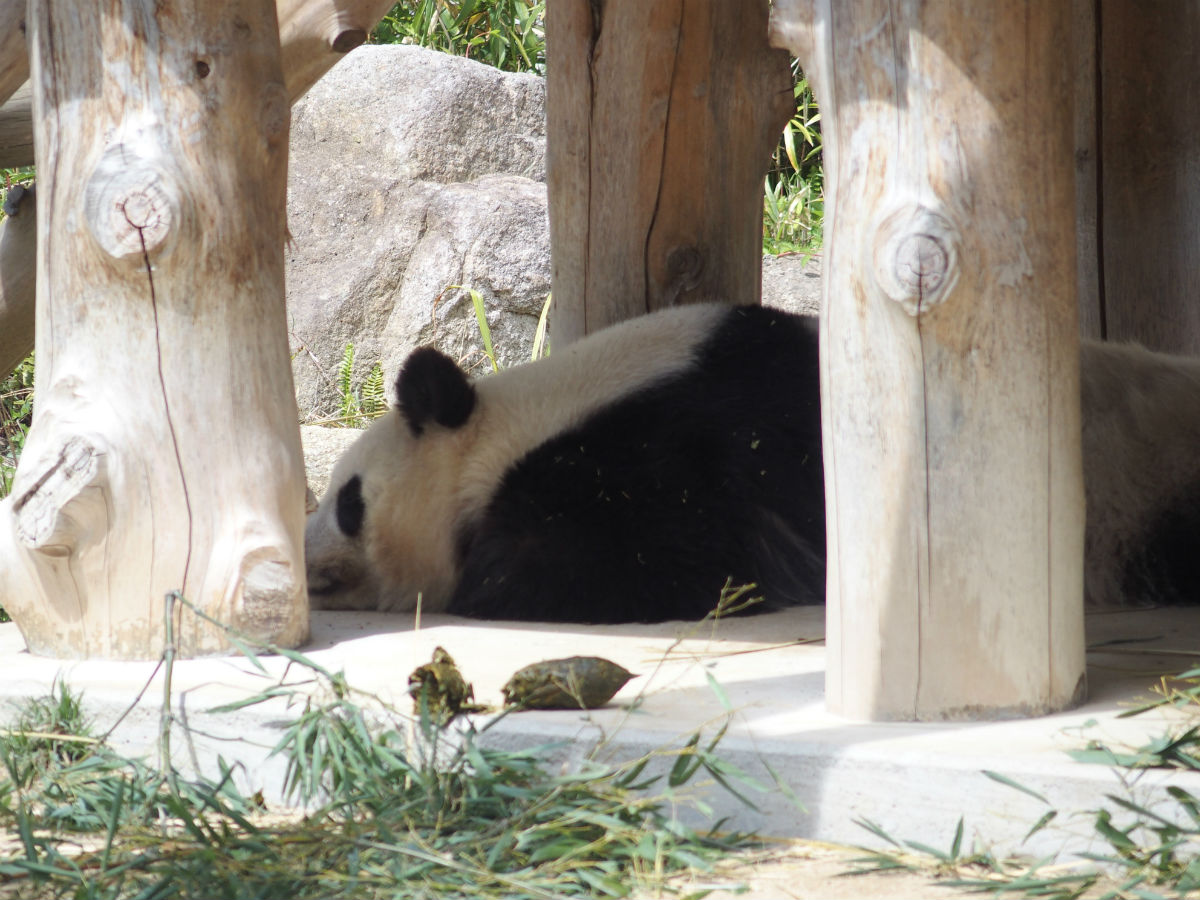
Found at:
[950, 386]
[313, 34]
[661, 117]
[14, 61]
[165, 452]
[16, 129]
[1147, 228]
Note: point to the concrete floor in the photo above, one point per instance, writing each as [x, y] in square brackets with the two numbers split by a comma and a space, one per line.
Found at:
[914, 780]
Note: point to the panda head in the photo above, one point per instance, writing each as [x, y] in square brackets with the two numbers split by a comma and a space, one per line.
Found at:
[385, 530]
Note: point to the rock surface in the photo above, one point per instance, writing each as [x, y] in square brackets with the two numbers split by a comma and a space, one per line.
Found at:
[412, 171]
[792, 282]
[322, 449]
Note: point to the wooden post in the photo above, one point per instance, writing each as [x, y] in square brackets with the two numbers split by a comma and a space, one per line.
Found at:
[1149, 185]
[164, 452]
[950, 386]
[661, 118]
[14, 60]
[313, 34]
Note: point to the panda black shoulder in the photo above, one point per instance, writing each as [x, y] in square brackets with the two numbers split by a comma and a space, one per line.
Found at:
[697, 474]
[783, 347]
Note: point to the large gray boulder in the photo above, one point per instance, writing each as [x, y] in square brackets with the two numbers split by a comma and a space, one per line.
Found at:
[412, 171]
[792, 282]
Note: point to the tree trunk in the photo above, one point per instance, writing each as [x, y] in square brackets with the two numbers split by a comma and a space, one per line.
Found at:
[164, 453]
[661, 118]
[950, 388]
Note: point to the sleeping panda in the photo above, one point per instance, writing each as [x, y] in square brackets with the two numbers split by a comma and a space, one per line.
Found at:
[1141, 471]
[636, 474]
[629, 477]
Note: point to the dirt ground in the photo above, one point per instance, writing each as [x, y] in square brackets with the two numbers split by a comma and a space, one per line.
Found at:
[808, 870]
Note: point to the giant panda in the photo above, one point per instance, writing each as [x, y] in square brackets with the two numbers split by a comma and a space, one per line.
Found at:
[637, 474]
[1141, 469]
[629, 477]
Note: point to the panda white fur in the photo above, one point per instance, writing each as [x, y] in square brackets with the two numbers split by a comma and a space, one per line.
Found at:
[627, 477]
[630, 476]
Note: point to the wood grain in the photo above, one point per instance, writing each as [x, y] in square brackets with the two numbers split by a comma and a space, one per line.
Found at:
[314, 35]
[164, 453]
[1150, 182]
[661, 118]
[950, 387]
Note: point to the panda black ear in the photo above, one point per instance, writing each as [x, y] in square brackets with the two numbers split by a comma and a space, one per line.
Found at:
[432, 388]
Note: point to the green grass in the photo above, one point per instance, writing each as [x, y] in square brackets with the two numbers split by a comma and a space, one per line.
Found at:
[16, 414]
[507, 34]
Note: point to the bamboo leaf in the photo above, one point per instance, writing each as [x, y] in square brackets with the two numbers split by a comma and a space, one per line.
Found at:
[1005, 780]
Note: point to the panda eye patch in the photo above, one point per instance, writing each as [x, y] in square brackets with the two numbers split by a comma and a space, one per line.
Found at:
[350, 508]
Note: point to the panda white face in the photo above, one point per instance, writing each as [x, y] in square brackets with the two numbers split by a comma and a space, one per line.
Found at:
[383, 532]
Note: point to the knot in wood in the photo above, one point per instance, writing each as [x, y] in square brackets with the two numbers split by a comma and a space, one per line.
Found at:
[147, 210]
[916, 258]
[141, 217]
[922, 263]
[130, 204]
[269, 591]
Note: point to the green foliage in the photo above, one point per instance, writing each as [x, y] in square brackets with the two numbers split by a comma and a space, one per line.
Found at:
[356, 407]
[485, 333]
[16, 415]
[44, 734]
[793, 196]
[541, 340]
[507, 34]
[1152, 841]
[373, 401]
[391, 807]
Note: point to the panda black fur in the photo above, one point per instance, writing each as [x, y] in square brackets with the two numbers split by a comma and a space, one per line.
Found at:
[631, 475]
[627, 477]
[1141, 464]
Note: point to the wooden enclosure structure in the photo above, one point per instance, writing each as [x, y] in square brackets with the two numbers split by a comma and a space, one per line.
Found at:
[988, 165]
[165, 452]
